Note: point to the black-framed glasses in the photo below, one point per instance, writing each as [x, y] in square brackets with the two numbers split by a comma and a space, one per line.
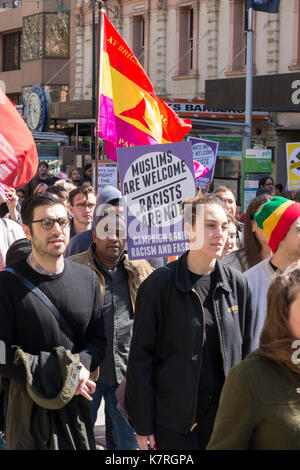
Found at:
[81, 205]
[48, 223]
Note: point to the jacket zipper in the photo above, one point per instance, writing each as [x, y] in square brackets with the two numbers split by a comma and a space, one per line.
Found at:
[220, 342]
[203, 319]
[219, 331]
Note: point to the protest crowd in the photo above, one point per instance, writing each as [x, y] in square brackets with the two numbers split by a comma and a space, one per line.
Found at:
[200, 351]
[153, 296]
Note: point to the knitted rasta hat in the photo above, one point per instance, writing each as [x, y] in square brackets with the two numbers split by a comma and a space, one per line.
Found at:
[275, 218]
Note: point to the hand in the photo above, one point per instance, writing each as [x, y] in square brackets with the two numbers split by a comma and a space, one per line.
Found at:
[12, 203]
[146, 442]
[86, 386]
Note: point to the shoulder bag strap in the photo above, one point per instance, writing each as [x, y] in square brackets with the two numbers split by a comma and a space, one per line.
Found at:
[36, 291]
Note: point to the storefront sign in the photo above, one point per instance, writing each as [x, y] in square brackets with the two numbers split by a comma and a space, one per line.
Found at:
[197, 109]
[279, 92]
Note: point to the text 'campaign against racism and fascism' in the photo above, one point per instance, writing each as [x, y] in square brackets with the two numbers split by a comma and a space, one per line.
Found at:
[155, 180]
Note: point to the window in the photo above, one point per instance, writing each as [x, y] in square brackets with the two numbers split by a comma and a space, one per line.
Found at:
[56, 35]
[238, 37]
[191, 38]
[295, 63]
[11, 51]
[45, 35]
[185, 61]
[58, 92]
[32, 37]
[138, 46]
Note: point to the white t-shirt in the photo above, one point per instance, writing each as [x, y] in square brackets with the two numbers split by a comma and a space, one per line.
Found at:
[10, 231]
[259, 278]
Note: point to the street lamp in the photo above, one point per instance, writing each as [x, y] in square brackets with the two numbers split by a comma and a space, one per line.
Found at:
[61, 9]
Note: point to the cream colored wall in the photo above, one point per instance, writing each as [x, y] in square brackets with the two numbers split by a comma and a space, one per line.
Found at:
[202, 50]
[223, 38]
[285, 35]
[265, 42]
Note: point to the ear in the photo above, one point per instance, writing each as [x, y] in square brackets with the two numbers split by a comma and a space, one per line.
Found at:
[188, 230]
[71, 209]
[27, 232]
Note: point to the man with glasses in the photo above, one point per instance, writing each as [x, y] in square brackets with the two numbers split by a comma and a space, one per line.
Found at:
[61, 347]
[82, 203]
[265, 184]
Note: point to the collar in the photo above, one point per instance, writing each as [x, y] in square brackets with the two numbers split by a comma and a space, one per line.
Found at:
[101, 266]
[38, 268]
[182, 277]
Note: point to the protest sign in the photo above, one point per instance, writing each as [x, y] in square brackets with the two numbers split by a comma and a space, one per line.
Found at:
[107, 175]
[293, 166]
[204, 153]
[155, 180]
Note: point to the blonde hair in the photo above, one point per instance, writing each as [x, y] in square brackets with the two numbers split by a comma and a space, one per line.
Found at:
[40, 186]
[65, 184]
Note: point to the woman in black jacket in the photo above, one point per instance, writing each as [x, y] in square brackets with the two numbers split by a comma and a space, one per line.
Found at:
[192, 324]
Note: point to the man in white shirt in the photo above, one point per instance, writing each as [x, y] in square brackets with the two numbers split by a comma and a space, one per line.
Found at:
[280, 221]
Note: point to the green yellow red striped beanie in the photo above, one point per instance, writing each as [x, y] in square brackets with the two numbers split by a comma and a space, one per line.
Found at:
[275, 218]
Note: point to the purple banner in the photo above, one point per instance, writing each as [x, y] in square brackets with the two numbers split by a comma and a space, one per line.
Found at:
[155, 180]
[204, 152]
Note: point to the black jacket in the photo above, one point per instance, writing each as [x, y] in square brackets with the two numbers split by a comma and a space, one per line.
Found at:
[166, 350]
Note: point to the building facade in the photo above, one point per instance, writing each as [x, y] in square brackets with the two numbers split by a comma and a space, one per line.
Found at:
[194, 52]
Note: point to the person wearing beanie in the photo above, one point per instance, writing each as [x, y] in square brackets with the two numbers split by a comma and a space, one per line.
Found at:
[280, 221]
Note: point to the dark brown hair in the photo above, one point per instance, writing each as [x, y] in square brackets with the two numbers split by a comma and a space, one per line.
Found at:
[36, 200]
[252, 245]
[223, 189]
[203, 200]
[84, 190]
[276, 338]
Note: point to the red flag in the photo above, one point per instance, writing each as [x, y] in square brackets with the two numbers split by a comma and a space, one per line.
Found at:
[18, 154]
[130, 112]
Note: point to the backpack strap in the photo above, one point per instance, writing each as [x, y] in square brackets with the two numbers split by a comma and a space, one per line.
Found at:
[46, 301]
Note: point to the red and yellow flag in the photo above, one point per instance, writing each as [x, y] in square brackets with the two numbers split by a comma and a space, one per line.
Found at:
[130, 113]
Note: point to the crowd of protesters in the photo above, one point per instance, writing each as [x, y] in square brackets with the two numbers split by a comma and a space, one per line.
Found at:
[201, 351]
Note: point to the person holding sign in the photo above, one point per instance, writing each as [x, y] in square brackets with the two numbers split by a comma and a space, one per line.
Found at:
[193, 322]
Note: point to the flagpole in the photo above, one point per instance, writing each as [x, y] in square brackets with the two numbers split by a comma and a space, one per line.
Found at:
[249, 79]
[247, 133]
[99, 84]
